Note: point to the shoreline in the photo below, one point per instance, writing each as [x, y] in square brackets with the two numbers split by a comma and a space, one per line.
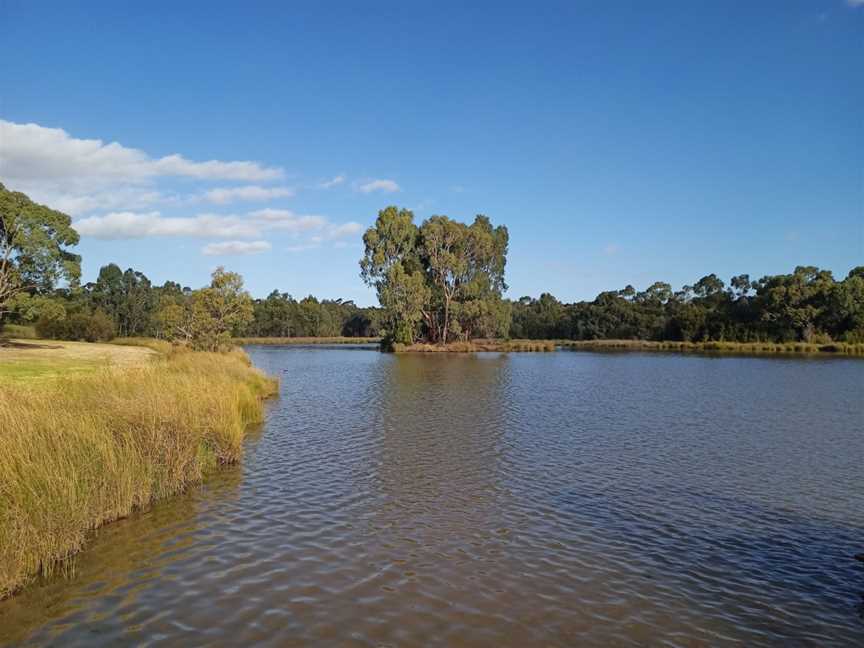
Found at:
[832, 349]
[290, 341]
[81, 451]
[479, 346]
[756, 349]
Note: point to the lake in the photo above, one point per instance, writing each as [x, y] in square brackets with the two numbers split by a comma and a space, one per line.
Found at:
[559, 499]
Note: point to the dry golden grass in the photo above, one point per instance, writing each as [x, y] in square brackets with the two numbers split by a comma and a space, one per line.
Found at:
[160, 346]
[83, 451]
[306, 340]
[746, 348]
[43, 359]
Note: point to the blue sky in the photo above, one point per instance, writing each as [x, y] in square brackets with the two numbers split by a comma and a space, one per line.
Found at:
[620, 142]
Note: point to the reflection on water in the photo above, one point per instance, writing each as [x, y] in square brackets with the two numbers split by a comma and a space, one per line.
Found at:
[491, 500]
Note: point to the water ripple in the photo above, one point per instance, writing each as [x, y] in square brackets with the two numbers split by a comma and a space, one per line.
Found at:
[555, 500]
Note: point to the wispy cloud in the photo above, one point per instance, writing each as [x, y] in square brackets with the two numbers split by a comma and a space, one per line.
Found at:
[250, 193]
[382, 185]
[333, 182]
[81, 176]
[135, 225]
[287, 220]
[32, 151]
[611, 249]
[306, 228]
[235, 248]
[855, 3]
[115, 192]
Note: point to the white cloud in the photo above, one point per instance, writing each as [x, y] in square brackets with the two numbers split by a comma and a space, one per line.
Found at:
[611, 249]
[855, 3]
[387, 186]
[132, 225]
[85, 175]
[31, 151]
[116, 192]
[137, 225]
[235, 248]
[287, 221]
[123, 198]
[334, 182]
[251, 193]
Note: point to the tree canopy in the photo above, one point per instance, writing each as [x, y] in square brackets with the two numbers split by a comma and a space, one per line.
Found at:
[439, 281]
[33, 247]
[806, 305]
[208, 318]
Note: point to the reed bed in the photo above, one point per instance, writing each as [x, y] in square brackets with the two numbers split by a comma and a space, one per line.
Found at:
[747, 348]
[161, 346]
[474, 346]
[306, 340]
[81, 452]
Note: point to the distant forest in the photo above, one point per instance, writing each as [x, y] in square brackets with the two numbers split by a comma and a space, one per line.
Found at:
[439, 281]
[806, 305]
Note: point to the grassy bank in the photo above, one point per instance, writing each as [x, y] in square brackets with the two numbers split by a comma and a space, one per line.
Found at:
[474, 346]
[306, 340]
[80, 452]
[747, 348]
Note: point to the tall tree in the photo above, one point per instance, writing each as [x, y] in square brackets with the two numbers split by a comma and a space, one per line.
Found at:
[208, 317]
[33, 247]
[442, 279]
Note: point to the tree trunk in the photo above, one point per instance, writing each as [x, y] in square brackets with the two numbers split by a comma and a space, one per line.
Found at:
[446, 320]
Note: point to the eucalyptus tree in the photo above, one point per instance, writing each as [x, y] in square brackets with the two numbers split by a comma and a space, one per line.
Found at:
[440, 280]
[34, 242]
[207, 318]
[391, 264]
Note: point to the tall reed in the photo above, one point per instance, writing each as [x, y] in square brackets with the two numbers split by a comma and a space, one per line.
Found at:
[81, 452]
[744, 348]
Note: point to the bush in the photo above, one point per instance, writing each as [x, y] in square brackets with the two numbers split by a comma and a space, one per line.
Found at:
[95, 327]
[18, 331]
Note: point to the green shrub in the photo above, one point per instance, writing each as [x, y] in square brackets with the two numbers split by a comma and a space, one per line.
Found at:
[95, 327]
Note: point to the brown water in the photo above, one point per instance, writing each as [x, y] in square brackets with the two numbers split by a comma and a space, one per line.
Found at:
[557, 500]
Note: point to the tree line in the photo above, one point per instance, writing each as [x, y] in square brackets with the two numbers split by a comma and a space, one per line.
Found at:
[438, 281]
[806, 305]
[35, 258]
[127, 304]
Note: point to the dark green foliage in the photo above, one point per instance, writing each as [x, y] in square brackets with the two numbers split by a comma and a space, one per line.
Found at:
[807, 305]
[280, 315]
[33, 248]
[90, 327]
[441, 281]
